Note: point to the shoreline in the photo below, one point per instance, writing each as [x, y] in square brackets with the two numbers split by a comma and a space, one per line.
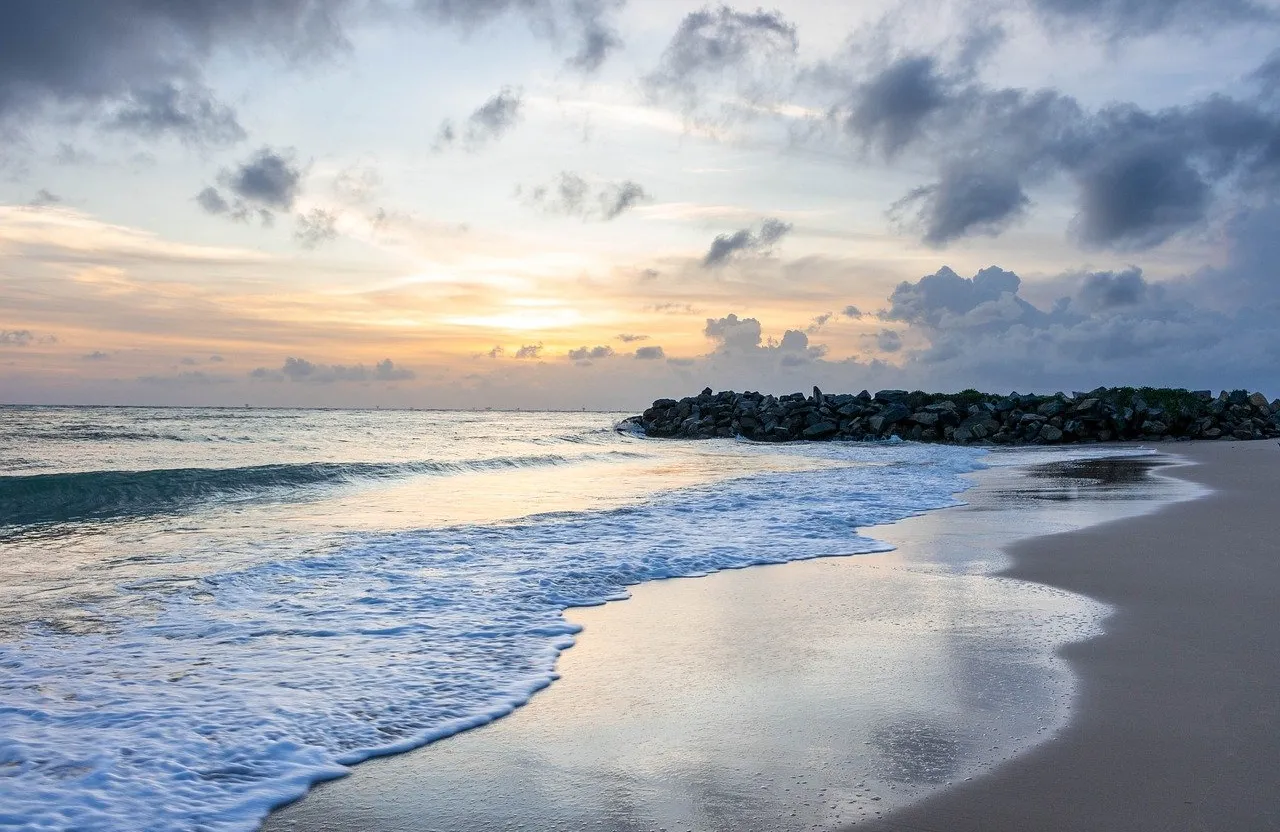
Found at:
[381, 794]
[1180, 698]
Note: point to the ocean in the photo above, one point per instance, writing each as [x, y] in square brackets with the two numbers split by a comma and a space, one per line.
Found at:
[205, 611]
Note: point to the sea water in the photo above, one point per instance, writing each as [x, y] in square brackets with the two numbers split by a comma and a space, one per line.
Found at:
[203, 612]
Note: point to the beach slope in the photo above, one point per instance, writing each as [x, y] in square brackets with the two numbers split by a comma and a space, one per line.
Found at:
[1176, 720]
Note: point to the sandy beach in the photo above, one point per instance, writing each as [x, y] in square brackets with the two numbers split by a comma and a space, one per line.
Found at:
[1178, 703]
[881, 692]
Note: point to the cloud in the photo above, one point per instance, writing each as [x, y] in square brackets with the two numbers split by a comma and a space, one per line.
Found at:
[733, 333]
[531, 351]
[489, 122]
[212, 202]
[572, 195]
[138, 65]
[888, 340]
[44, 198]
[188, 378]
[302, 371]
[818, 322]
[587, 21]
[316, 227]
[267, 182]
[16, 337]
[629, 338]
[189, 113]
[650, 353]
[587, 354]
[727, 247]
[711, 48]
[1129, 18]
[496, 352]
[851, 312]
[96, 355]
[1141, 176]
[889, 110]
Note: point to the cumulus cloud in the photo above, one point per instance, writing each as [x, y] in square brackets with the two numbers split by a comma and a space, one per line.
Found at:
[301, 370]
[1141, 176]
[489, 122]
[530, 351]
[851, 312]
[267, 182]
[316, 227]
[724, 47]
[732, 333]
[572, 195]
[590, 353]
[746, 242]
[650, 353]
[819, 321]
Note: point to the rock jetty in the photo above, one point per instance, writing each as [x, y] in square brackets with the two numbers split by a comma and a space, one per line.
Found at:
[968, 418]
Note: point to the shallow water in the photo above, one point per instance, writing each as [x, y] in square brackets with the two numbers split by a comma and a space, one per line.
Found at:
[206, 611]
[793, 697]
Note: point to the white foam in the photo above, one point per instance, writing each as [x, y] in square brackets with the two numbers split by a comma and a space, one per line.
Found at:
[245, 689]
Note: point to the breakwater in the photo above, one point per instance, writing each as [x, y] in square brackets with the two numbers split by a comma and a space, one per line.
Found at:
[969, 417]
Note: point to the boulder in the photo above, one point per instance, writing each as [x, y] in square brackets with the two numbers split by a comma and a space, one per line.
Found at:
[821, 430]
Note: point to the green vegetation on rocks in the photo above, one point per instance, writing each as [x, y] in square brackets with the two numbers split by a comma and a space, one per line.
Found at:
[968, 417]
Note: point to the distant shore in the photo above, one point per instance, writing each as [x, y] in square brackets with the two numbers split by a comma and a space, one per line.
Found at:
[1107, 414]
[1179, 701]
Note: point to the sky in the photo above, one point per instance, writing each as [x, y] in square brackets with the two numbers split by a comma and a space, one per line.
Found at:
[594, 203]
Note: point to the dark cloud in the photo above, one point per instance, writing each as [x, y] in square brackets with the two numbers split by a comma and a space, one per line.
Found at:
[96, 355]
[316, 227]
[890, 109]
[1141, 176]
[590, 353]
[572, 195]
[529, 351]
[212, 202]
[1124, 18]
[1100, 291]
[267, 182]
[189, 113]
[496, 352]
[964, 201]
[489, 122]
[715, 46]
[727, 247]
[303, 371]
[629, 338]
[137, 64]
[650, 353]
[851, 312]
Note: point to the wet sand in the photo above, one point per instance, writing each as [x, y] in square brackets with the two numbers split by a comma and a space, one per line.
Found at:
[1178, 722]
[802, 696]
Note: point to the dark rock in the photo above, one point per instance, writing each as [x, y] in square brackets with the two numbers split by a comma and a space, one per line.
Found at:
[821, 430]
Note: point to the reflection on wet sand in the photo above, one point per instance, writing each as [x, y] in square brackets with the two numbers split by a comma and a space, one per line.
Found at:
[809, 695]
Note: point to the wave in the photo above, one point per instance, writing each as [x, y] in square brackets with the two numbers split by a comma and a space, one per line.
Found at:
[99, 495]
